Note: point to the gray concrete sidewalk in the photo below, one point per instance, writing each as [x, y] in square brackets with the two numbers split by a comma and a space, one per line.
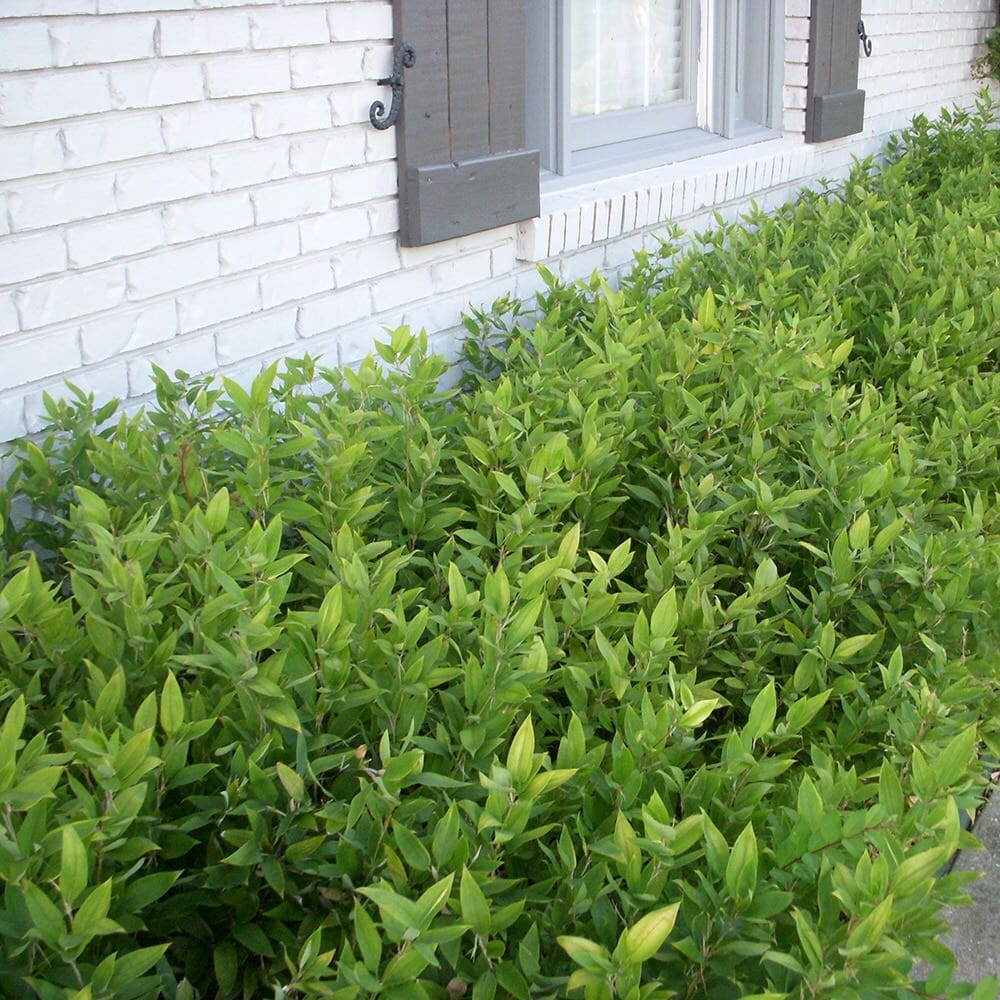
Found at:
[974, 934]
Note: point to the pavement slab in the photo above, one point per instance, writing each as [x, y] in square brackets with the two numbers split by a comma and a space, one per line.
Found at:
[974, 931]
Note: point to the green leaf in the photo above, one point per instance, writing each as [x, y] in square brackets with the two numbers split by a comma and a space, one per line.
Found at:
[805, 710]
[663, 621]
[869, 931]
[852, 646]
[952, 763]
[171, 705]
[587, 954]
[520, 760]
[917, 873]
[73, 868]
[44, 914]
[226, 966]
[433, 900]
[94, 909]
[643, 940]
[368, 938]
[291, 782]
[762, 713]
[741, 869]
[475, 908]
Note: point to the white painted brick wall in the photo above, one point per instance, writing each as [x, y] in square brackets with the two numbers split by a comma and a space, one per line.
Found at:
[195, 183]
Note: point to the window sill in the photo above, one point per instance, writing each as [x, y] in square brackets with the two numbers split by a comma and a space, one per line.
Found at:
[600, 202]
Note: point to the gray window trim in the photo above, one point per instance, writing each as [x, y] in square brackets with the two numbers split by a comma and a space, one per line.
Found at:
[565, 144]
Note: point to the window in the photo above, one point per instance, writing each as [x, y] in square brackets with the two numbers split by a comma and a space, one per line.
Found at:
[617, 81]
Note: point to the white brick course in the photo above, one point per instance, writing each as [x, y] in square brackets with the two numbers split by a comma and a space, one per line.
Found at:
[200, 217]
[25, 46]
[107, 239]
[101, 40]
[258, 247]
[37, 206]
[171, 270]
[240, 76]
[122, 137]
[196, 126]
[161, 181]
[51, 96]
[217, 303]
[155, 84]
[281, 28]
[26, 154]
[70, 297]
[204, 32]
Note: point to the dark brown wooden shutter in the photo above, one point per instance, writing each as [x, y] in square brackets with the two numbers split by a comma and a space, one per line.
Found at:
[463, 166]
[835, 106]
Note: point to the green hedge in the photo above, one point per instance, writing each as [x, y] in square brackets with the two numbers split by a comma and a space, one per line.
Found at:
[656, 661]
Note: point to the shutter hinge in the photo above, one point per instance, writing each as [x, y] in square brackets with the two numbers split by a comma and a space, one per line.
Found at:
[403, 58]
[866, 42]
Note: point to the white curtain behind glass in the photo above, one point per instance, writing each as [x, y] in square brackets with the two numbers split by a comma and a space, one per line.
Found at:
[627, 54]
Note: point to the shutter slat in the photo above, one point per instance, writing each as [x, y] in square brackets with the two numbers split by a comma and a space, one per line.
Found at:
[506, 68]
[423, 129]
[835, 106]
[468, 79]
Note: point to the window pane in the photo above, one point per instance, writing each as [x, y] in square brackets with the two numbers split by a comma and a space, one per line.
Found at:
[628, 54]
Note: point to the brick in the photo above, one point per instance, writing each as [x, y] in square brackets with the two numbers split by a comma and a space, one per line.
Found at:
[281, 28]
[121, 137]
[449, 275]
[205, 32]
[28, 99]
[349, 105]
[334, 229]
[258, 247]
[377, 63]
[532, 238]
[360, 21]
[383, 217]
[108, 336]
[25, 362]
[156, 85]
[40, 205]
[219, 213]
[364, 184]
[27, 154]
[296, 281]
[291, 199]
[289, 114]
[366, 261]
[344, 147]
[103, 40]
[402, 288]
[70, 297]
[12, 424]
[241, 76]
[122, 236]
[380, 145]
[25, 46]
[217, 303]
[249, 165]
[32, 8]
[333, 311]
[167, 179]
[8, 314]
[255, 336]
[143, 6]
[195, 126]
[323, 66]
[172, 269]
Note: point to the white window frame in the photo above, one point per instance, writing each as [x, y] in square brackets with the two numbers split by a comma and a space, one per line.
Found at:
[738, 91]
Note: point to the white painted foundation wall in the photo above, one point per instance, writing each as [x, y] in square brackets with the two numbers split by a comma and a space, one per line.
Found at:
[194, 183]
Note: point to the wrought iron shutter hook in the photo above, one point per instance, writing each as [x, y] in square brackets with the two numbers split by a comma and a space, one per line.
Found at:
[403, 58]
[866, 42]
